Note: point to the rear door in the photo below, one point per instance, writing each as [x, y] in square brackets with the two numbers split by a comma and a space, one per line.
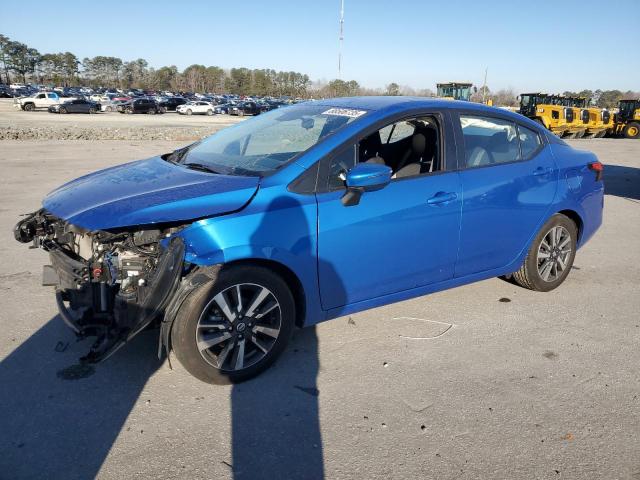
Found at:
[509, 180]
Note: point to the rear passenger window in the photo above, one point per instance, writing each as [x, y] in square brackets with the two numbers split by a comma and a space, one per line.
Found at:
[489, 141]
[529, 142]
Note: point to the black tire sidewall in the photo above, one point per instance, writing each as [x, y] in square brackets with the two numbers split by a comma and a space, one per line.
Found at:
[183, 331]
[532, 264]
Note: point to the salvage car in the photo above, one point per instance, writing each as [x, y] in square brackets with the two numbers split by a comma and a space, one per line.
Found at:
[75, 106]
[307, 213]
[171, 103]
[139, 105]
[198, 107]
[40, 100]
[245, 108]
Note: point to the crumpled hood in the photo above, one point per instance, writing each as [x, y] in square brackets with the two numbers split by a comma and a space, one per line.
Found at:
[146, 192]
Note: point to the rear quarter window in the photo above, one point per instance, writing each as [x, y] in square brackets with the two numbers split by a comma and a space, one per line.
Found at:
[530, 142]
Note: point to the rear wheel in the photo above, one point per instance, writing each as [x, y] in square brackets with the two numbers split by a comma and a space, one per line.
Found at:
[235, 326]
[209, 112]
[550, 256]
[109, 109]
[632, 130]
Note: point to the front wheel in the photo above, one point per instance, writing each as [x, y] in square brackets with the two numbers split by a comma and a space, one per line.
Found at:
[62, 110]
[235, 326]
[550, 256]
[632, 130]
[189, 112]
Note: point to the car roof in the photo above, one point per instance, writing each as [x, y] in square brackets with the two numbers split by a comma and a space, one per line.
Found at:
[400, 103]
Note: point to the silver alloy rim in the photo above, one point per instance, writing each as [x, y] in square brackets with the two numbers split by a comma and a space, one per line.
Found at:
[553, 253]
[238, 327]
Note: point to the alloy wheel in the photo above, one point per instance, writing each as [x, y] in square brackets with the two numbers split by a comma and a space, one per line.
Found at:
[238, 327]
[554, 253]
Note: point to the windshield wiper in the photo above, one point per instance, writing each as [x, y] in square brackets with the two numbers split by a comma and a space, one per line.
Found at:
[200, 167]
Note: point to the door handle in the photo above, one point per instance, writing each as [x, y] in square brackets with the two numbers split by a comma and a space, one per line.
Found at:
[542, 171]
[442, 197]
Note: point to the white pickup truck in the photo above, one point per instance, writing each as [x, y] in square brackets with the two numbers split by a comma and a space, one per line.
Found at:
[39, 100]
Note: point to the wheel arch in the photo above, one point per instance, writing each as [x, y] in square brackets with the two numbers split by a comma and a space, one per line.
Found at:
[291, 279]
[575, 218]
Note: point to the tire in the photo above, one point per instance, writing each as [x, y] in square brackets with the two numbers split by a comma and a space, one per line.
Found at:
[62, 110]
[532, 273]
[129, 111]
[189, 112]
[152, 111]
[29, 107]
[241, 113]
[92, 110]
[109, 109]
[209, 112]
[632, 130]
[187, 329]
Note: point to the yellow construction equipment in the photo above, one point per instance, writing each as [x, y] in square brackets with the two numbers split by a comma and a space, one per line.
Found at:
[547, 110]
[599, 122]
[627, 120]
[454, 90]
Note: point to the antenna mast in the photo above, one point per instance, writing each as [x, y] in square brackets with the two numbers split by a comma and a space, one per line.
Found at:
[340, 39]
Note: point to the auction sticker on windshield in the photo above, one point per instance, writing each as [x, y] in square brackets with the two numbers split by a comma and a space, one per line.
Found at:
[344, 112]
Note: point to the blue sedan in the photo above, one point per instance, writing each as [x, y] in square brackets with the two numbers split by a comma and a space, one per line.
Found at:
[308, 213]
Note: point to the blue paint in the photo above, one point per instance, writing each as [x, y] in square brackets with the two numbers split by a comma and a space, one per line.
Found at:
[408, 237]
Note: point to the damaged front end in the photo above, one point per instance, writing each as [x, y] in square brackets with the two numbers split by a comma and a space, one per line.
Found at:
[109, 284]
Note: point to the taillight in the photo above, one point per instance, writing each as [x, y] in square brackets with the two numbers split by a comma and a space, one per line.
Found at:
[598, 168]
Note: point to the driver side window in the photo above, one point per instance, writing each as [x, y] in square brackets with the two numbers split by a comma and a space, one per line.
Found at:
[410, 147]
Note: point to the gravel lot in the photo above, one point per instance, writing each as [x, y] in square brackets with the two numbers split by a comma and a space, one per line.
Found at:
[41, 125]
[504, 383]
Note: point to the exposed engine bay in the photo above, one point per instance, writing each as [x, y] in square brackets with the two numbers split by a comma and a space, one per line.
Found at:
[109, 284]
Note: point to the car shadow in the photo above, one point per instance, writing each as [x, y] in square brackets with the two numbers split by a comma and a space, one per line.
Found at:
[58, 419]
[275, 417]
[622, 181]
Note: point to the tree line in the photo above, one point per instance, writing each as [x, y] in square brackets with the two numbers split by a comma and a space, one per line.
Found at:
[20, 62]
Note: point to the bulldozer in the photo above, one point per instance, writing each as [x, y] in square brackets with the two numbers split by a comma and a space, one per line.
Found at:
[547, 110]
[627, 120]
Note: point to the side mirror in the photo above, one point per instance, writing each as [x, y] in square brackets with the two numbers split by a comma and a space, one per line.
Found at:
[365, 177]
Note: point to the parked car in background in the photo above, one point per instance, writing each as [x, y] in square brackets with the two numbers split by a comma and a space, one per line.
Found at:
[39, 100]
[193, 108]
[75, 106]
[222, 108]
[172, 103]
[139, 105]
[245, 108]
[112, 105]
[309, 213]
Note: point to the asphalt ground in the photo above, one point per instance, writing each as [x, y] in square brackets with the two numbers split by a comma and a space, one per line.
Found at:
[484, 381]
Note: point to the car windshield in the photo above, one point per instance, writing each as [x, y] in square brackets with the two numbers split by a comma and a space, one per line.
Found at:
[265, 143]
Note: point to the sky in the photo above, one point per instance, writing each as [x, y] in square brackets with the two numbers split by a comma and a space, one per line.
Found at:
[543, 45]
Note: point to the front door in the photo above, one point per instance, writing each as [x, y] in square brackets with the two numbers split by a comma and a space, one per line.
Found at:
[398, 238]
